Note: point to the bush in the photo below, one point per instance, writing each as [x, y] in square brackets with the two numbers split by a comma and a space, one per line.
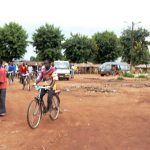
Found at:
[142, 76]
[120, 78]
[129, 75]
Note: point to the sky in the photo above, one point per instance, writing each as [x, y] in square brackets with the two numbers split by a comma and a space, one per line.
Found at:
[77, 16]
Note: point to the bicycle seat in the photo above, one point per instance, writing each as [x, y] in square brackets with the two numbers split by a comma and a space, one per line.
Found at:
[24, 75]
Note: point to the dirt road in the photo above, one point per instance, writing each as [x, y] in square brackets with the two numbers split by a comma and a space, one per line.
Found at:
[99, 113]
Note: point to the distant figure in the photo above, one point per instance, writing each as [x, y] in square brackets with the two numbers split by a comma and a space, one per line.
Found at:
[30, 69]
[76, 70]
[3, 85]
[23, 71]
[113, 68]
[12, 70]
[38, 70]
[72, 71]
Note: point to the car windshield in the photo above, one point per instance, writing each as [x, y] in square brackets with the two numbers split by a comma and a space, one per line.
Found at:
[61, 65]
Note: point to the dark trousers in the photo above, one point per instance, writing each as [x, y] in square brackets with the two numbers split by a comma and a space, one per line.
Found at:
[22, 79]
[49, 98]
[2, 100]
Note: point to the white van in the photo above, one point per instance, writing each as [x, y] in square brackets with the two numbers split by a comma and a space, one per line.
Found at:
[62, 69]
[106, 68]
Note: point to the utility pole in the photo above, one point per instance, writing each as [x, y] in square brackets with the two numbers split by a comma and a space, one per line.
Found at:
[132, 41]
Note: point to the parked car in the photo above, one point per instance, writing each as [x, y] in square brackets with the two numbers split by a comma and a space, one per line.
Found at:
[62, 69]
[108, 68]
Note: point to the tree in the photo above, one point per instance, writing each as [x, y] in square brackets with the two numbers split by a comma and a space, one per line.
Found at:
[33, 58]
[13, 41]
[108, 46]
[47, 41]
[79, 48]
[135, 46]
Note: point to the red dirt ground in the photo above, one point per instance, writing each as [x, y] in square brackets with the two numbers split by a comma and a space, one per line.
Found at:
[99, 113]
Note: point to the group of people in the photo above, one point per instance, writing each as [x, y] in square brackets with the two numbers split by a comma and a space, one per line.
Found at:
[115, 70]
[47, 75]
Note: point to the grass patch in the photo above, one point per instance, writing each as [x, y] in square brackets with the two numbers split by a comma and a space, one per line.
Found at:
[120, 78]
[142, 76]
[128, 75]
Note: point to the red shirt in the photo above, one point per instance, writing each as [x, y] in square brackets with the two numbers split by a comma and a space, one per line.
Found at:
[3, 79]
[46, 75]
[23, 69]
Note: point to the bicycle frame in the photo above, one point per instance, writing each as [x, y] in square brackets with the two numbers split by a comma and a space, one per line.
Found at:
[37, 108]
[10, 76]
[26, 80]
[25, 76]
[41, 101]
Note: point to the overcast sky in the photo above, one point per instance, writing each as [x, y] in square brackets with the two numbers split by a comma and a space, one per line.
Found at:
[77, 16]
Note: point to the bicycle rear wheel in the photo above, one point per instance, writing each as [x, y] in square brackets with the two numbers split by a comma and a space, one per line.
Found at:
[55, 108]
[34, 114]
[28, 84]
[10, 79]
[23, 84]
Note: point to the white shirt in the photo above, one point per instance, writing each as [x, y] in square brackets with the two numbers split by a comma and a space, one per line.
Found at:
[30, 68]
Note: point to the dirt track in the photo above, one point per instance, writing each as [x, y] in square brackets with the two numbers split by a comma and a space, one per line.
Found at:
[98, 114]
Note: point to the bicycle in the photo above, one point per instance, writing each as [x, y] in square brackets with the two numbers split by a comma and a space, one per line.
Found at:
[26, 81]
[37, 107]
[10, 77]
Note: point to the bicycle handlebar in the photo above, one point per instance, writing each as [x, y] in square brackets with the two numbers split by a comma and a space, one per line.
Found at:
[27, 74]
[9, 72]
[41, 87]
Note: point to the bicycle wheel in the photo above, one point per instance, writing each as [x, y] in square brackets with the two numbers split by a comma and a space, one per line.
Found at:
[28, 84]
[23, 84]
[55, 108]
[10, 79]
[34, 114]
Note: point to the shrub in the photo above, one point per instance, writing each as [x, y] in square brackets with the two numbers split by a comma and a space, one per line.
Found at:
[142, 76]
[120, 78]
[129, 75]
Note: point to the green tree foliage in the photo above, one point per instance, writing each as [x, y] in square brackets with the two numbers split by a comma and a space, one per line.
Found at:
[33, 58]
[138, 53]
[47, 41]
[79, 48]
[13, 41]
[109, 48]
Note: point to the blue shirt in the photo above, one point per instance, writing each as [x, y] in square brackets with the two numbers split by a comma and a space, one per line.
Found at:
[12, 68]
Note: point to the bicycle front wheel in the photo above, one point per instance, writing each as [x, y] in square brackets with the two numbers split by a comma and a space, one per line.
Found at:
[28, 84]
[55, 108]
[23, 84]
[34, 114]
[10, 79]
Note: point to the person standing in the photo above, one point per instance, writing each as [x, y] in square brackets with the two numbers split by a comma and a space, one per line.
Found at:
[30, 70]
[3, 85]
[72, 71]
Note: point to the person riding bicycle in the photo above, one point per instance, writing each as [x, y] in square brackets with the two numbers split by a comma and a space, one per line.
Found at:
[12, 70]
[23, 71]
[47, 76]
